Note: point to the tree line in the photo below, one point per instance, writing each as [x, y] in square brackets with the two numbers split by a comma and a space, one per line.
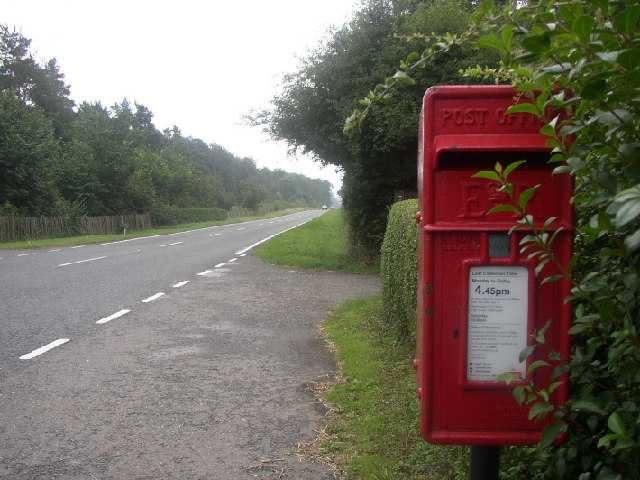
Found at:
[379, 159]
[58, 158]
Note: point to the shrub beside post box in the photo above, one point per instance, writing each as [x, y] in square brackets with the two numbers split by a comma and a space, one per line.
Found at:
[479, 300]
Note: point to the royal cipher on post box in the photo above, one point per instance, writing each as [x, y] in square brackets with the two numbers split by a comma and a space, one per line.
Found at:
[479, 300]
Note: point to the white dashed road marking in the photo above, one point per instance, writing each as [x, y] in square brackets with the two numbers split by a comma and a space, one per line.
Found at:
[82, 261]
[113, 317]
[153, 297]
[180, 284]
[46, 348]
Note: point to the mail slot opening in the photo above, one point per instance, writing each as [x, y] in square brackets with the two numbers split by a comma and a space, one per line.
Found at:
[464, 160]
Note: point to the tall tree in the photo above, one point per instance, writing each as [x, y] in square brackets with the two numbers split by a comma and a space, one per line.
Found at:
[310, 112]
[42, 85]
[27, 150]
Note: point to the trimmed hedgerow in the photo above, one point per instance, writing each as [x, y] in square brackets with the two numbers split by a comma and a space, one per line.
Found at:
[399, 269]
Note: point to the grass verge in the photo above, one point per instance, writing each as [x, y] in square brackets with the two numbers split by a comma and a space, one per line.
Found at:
[373, 428]
[317, 245]
[90, 239]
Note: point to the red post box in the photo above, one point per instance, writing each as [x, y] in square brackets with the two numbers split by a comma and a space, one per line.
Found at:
[478, 297]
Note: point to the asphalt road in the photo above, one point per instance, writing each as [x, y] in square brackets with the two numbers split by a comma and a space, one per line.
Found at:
[209, 380]
[46, 295]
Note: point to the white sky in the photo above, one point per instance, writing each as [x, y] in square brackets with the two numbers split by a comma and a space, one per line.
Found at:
[200, 65]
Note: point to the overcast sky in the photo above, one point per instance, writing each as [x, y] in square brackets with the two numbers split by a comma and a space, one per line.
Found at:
[200, 65]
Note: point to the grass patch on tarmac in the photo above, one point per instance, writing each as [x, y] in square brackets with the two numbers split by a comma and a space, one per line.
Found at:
[373, 428]
[317, 245]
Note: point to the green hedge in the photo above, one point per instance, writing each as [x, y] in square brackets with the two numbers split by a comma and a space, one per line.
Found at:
[399, 269]
[163, 215]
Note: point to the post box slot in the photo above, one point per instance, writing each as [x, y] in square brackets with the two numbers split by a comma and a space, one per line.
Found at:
[499, 246]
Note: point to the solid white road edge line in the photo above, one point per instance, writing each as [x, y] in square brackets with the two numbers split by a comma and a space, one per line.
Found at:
[46, 348]
[113, 317]
[180, 284]
[153, 297]
[269, 238]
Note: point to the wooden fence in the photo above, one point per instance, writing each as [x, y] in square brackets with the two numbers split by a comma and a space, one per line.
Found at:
[33, 228]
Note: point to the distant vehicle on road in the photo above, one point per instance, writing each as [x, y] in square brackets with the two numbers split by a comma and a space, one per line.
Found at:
[324, 207]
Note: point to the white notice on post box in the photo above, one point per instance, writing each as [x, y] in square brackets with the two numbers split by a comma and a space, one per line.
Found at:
[498, 306]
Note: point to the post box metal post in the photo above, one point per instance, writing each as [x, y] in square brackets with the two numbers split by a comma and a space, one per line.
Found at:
[478, 297]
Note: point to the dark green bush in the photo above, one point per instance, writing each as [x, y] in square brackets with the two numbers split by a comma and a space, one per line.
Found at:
[399, 269]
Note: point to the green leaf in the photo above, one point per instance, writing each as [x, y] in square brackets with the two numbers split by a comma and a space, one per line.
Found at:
[404, 78]
[607, 439]
[486, 174]
[632, 242]
[627, 19]
[507, 35]
[551, 432]
[520, 394]
[551, 278]
[526, 351]
[523, 108]
[615, 424]
[526, 195]
[577, 328]
[511, 167]
[540, 410]
[412, 57]
[594, 89]
[490, 41]
[588, 406]
[502, 208]
[628, 212]
[582, 27]
[548, 130]
[535, 365]
[507, 378]
[555, 385]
